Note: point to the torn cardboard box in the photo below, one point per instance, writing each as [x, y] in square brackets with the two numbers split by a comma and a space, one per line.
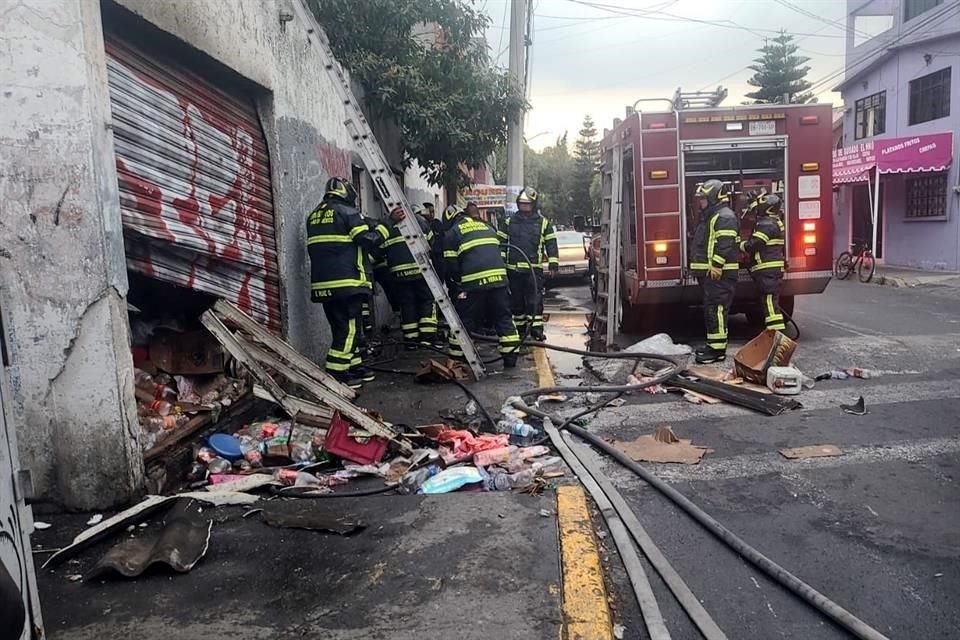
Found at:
[769, 349]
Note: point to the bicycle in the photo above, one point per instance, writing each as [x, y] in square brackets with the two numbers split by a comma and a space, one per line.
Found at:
[860, 259]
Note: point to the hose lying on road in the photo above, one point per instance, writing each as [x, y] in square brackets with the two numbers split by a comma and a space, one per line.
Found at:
[828, 607]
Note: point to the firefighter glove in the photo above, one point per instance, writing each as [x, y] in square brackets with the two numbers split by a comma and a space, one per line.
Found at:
[715, 272]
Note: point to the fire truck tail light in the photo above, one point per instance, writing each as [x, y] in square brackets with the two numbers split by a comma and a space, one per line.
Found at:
[810, 166]
[809, 238]
[660, 247]
[809, 226]
[659, 175]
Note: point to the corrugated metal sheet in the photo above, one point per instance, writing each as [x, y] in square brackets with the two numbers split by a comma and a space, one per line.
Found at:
[194, 180]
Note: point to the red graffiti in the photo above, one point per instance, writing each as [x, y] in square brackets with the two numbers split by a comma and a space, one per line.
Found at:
[335, 161]
[199, 197]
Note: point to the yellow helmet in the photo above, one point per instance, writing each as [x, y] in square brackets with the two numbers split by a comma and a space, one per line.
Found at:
[341, 188]
[528, 195]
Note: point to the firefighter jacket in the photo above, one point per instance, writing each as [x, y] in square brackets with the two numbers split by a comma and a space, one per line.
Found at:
[396, 252]
[765, 245]
[716, 241]
[471, 255]
[339, 242]
[534, 235]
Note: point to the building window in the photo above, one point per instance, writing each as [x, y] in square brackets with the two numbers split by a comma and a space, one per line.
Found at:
[871, 116]
[930, 97]
[927, 197]
[913, 8]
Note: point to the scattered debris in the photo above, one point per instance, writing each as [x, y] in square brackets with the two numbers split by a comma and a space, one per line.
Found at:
[858, 409]
[784, 381]
[40, 525]
[812, 451]
[865, 374]
[769, 349]
[434, 371]
[618, 631]
[95, 519]
[463, 445]
[616, 371]
[663, 446]
[617, 402]
[450, 480]
[546, 513]
[350, 443]
[768, 403]
[74, 577]
[180, 544]
[312, 519]
[727, 376]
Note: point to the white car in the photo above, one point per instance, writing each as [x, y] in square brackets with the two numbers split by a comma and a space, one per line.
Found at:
[573, 254]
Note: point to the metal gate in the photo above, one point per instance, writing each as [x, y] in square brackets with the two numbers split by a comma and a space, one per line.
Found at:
[16, 518]
[194, 178]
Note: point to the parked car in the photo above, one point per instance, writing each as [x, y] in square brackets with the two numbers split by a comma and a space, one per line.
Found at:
[573, 254]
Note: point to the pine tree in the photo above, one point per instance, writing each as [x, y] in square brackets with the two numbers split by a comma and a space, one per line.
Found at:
[586, 155]
[780, 70]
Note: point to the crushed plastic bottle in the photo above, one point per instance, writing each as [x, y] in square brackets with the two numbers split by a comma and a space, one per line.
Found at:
[520, 428]
[219, 465]
[548, 465]
[836, 374]
[522, 479]
[497, 482]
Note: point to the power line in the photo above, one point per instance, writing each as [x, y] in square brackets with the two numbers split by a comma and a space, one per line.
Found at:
[826, 21]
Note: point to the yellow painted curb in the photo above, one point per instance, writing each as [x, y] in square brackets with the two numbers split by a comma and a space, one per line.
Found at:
[544, 371]
[586, 611]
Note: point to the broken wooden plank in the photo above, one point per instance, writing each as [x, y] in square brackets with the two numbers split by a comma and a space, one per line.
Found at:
[347, 409]
[308, 413]
[235, 349]
[251, 327]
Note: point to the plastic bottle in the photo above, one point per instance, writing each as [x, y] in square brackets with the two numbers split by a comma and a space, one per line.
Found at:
[251, 451]
[521, 429]
[219, 465]
[145, 381]
[497, 482]
[522, 479]
[160, 407]
[206, 454]
[547, 465]
[857, 372]
[412, 481]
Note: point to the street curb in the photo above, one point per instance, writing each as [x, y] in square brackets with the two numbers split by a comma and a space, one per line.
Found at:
[586, 611]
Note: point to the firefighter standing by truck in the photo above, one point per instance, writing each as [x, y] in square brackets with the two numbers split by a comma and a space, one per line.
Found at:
[767, 251]
[533, 234]
[339, 242]
[715, 261]
[418, 310]
[472, 261]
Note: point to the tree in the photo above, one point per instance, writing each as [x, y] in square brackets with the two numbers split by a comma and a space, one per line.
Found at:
[424, 65]
[779, 71]
[587, 155]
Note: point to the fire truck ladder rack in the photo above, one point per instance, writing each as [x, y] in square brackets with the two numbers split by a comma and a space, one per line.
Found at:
[608, 270]
[390, 192]
[698, 99]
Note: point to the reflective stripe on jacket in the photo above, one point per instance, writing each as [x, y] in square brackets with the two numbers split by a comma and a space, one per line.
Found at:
[534, 235]
[716, 242]
[766, 244]
[339, 241]
[471, 255]
[397, 252]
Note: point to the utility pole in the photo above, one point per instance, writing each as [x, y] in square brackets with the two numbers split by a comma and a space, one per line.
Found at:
[518, 42]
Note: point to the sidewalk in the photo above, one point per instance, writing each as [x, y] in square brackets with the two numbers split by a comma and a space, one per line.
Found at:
[424, 568]
[906, 277]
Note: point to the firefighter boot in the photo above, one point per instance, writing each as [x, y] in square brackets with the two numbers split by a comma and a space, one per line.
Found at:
[708, 355]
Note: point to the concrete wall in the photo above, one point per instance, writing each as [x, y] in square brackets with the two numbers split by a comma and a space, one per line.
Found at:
[926, 244]
[62, 273]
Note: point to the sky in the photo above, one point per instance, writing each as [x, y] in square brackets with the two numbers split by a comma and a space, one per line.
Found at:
[595, 60]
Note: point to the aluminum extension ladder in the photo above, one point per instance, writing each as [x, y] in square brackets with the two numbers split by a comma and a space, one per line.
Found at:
[390, 192]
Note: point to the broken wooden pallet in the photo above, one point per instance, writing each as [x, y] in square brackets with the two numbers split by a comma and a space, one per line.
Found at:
[256, 358]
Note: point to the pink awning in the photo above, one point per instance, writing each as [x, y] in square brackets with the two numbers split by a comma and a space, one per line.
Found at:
[912, 154]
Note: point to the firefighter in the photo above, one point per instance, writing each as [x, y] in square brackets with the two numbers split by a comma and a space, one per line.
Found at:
[473, 262]
[533, 234]
[339, 241]
[714, 260]
[418, 310]
[765, 247]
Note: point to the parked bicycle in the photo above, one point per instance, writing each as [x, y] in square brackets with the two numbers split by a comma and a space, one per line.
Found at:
[860, 259]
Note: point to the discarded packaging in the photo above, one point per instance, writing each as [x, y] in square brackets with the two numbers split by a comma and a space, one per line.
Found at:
[663, 446]
[95, 519]
[784, 381]
[463, 445]
[450, 480]
[769, 349]
[814, 451]
[857, 409]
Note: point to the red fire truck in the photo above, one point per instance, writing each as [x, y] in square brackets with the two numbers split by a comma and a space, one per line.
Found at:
[664, 155]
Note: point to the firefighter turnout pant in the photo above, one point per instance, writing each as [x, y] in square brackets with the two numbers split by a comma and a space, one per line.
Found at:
[345, 318]
[769, 283]
[472, 310]
[418, 311]
[526, 301]
[717, 300]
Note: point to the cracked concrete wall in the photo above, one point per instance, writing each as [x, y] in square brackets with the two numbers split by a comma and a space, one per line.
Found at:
[62, 274]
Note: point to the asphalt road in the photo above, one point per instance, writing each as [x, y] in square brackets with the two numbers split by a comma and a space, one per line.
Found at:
[875, 529]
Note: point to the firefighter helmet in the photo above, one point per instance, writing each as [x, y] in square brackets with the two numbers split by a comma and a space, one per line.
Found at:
[528, 195]
[714, 191]
[771, 205]
[451, 212]
[342, 189]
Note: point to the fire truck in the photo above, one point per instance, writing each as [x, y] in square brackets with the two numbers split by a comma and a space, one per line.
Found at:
[652, 162]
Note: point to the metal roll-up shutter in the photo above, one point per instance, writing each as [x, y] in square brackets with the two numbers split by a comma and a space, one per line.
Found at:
[194, 180]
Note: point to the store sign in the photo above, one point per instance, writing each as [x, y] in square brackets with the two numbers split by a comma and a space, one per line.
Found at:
[912, 154]
[486, 196]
